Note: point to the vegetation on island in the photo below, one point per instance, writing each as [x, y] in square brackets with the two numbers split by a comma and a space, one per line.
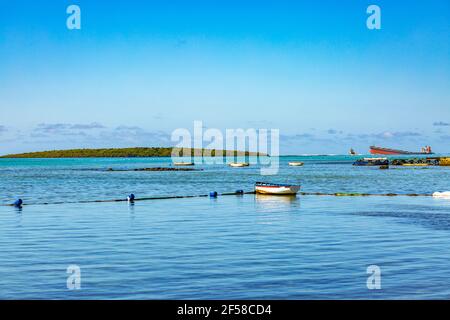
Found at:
[129, 153]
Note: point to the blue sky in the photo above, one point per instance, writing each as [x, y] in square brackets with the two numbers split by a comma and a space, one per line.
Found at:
[137, 70]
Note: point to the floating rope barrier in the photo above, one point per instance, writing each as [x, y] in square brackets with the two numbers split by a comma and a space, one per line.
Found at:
[346, 194]
[131, 198]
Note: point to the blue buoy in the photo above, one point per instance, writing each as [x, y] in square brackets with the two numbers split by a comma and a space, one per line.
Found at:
[18, 203]
[239, 191]
[130, 198]
[213, 194]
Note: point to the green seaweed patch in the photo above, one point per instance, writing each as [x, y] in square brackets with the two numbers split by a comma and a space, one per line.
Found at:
[349, 194]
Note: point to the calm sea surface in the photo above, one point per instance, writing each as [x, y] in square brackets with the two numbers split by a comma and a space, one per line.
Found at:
[232, 247]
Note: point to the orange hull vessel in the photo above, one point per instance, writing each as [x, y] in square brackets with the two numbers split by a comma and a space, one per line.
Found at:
[387, 151]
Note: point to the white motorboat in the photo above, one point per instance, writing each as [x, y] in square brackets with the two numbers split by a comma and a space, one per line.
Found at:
[183, 163]
[239, 164]
[276, 189]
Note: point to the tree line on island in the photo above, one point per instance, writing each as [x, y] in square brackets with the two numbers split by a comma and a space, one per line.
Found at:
[130, 153]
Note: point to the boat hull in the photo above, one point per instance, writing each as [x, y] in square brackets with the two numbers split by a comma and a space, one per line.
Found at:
[183, 163]
[387, 151]
[238, 165]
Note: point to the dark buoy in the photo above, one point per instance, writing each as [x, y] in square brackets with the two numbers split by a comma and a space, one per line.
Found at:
[239, 191]
[18, 203]
[213, 194]
[130, 198]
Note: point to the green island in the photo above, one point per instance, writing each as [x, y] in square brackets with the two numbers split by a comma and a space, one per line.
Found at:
[129, 153]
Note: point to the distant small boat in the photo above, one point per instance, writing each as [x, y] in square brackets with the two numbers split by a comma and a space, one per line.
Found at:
[276, 189]
[239, 164]
[352, 152]
[296, 163]
[445, 194]
[183, 163]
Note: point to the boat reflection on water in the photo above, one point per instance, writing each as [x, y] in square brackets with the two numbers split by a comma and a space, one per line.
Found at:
[276, 202]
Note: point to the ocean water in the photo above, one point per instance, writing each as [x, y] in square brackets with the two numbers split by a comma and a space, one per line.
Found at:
[231, 247]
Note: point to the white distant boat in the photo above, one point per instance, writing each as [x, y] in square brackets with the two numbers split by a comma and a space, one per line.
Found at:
[276, 189]
[239, 164]
[296, 163]
[445, 194]
[183, 163]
